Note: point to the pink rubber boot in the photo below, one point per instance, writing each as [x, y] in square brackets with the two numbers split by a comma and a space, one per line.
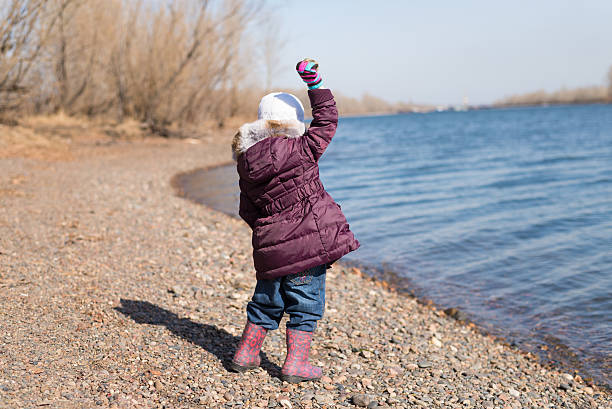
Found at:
[247, 355]
[296, 367]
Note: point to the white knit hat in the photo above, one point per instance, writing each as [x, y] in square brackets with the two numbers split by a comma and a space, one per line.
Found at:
[281, 106]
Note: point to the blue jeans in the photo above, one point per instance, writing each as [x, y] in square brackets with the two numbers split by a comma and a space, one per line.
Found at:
[300, 295]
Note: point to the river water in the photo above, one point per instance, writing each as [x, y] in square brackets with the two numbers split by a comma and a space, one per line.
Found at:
[504, 214]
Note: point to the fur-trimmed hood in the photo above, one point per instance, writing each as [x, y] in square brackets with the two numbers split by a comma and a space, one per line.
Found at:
[251, 133]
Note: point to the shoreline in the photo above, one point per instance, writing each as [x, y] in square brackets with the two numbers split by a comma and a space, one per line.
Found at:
[116, 292]
[551, 355]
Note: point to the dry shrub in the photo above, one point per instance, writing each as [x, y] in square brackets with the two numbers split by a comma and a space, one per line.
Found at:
[162, 63]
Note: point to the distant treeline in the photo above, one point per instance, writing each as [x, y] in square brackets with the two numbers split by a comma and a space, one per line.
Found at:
[584, 95]
[369, 104]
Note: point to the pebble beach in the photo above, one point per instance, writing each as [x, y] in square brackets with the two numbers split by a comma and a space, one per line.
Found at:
[117, 292]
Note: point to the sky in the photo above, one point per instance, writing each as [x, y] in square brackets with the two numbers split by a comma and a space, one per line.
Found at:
[439, 51]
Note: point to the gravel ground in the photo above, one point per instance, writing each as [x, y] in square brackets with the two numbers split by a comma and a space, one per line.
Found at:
[116, 292]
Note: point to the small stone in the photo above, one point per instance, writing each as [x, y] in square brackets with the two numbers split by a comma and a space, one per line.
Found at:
[339, 379]
[360, 400]
[394, 370]
[460, 357]
[227, 396]
[456, 314]
[176, 289]
[309, 395]
[514, 392]
[326, 379]
[503, 396]
[436, 342]
[323, 399]
[588, 390]
[424, 364]
[366, 354]
[198, 294]
[568, 377]
[285, 403]
[564, 387]
[411, 367]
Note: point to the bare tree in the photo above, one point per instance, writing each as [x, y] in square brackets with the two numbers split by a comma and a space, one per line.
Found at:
[120, 67]
[74, 47]
[182, 63]
[25, 28]
[272, 44]
[18, 47]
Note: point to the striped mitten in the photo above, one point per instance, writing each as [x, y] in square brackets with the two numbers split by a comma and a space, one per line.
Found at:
[308, 71]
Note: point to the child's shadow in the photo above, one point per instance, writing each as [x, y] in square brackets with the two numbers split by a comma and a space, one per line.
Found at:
[216, 341]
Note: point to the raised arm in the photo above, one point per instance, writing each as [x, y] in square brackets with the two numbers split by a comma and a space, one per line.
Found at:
[324, 122]
[324, 111]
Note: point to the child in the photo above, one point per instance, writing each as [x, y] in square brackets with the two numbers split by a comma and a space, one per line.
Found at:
[298, 230]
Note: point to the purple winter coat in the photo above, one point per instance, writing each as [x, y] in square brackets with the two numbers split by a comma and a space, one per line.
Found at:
[296, 223]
